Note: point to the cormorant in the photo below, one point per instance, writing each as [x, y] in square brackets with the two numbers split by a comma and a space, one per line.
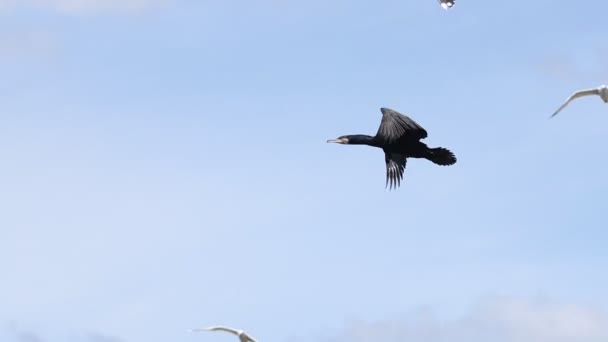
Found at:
[602, 91]
[399, 137]
[243, 337]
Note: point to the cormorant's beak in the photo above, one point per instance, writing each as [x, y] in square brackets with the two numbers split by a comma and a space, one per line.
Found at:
[338, 141]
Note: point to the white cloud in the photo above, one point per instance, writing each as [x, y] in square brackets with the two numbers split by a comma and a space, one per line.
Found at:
[82, 6]
[501, 320]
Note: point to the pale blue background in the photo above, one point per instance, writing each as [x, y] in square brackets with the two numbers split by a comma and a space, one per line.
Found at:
[164, 167]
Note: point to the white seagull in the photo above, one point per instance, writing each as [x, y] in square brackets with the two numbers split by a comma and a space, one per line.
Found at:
[602, 91]
[446, 4]
[240, 333]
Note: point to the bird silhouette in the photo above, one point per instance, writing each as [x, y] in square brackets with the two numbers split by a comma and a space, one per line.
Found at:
[399, 137]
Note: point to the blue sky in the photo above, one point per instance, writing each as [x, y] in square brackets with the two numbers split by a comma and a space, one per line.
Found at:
[165, 167]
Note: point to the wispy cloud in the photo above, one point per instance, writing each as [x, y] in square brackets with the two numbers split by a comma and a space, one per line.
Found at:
[13, 334]
[96, 337]
[27, 337]
[498, 320]
[561, 68]
[566, 68]
[28, 45]
[74, 7]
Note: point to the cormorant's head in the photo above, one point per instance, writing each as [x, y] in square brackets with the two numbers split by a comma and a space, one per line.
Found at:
[340, 140]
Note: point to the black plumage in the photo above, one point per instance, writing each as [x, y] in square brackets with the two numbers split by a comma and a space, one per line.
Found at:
[399, 137]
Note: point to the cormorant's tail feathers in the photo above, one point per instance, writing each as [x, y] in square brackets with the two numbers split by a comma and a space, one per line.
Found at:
[441, 156]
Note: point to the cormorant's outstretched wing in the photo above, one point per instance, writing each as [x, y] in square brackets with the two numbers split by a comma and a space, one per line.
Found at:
[395, 165]
[395, 125]
[219, 328]
[580, 93]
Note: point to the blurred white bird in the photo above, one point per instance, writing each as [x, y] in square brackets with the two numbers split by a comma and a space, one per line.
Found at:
[602, 91]
[240, 333]
[446, 4]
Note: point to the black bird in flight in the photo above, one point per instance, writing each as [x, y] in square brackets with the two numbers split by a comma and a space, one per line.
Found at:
[399, 137]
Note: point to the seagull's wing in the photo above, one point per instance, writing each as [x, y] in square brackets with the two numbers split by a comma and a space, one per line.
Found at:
[395, 126]
[218, 328]
[580, 93]
[395, 165]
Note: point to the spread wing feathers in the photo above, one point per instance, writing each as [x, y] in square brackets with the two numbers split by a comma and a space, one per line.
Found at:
[395, 165]
[219, 328]
[395, 125]
[580, 93]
